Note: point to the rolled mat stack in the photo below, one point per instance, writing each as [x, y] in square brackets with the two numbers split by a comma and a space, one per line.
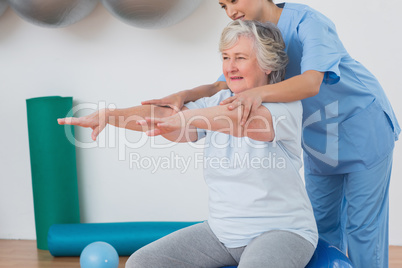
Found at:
[125, 237]
[53, 165]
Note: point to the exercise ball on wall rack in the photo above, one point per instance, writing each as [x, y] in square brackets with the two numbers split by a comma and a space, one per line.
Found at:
[151, 14]
[3, 6]
[53, 13]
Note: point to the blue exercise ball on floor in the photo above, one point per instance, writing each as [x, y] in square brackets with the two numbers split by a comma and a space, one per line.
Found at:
[327, 256]
[99, 255]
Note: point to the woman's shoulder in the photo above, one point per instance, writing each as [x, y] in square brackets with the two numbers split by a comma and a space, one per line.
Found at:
[214, 100]
[292, 111]
[220, 96]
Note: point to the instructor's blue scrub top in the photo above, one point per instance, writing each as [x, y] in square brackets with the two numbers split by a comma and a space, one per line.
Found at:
[349, 125]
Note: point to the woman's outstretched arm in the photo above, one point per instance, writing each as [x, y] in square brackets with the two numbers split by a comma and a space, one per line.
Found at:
[217, 118]
[123, 118]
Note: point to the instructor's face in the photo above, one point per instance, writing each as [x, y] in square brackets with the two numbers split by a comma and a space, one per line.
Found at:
[244, 9]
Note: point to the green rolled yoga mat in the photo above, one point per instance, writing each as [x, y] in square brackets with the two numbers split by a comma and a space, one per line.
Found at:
[53, 165]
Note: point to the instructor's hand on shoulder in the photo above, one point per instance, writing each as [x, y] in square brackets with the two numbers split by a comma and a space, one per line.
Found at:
[250, 99]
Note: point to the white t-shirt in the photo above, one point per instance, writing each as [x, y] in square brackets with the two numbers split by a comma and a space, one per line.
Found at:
[255, 186]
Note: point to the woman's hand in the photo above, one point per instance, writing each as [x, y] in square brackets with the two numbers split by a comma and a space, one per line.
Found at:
[161, 126]
[97, 121]
[250, 99]
[174, 101]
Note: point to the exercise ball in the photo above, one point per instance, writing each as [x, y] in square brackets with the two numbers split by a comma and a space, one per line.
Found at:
[53, 13]
[3, 6]
[151, 14]
[327, 256]
[99, 255]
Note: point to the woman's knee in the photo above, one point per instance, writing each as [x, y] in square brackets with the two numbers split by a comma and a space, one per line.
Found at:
[277, 249]
[139, 259]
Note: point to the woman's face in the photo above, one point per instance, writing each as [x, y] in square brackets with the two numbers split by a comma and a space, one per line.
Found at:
[246, 9]
[241, 68]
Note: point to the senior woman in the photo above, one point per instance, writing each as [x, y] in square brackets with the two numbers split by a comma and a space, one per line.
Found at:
[259, 211]
[349, 126]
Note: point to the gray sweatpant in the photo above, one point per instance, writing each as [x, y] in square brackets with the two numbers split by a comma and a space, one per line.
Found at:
[197, 246]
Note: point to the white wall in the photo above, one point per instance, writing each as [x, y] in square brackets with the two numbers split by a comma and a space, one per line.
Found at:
[102, 60]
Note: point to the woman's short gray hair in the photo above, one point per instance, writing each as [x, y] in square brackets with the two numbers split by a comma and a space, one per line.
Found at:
[268, 44]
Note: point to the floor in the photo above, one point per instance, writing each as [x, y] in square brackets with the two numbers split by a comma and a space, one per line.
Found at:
[24, 254]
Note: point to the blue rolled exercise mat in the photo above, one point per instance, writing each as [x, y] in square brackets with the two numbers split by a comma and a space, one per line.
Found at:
[125, 237]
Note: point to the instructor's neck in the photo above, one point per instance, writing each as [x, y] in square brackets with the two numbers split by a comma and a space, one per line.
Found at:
[272, 13]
